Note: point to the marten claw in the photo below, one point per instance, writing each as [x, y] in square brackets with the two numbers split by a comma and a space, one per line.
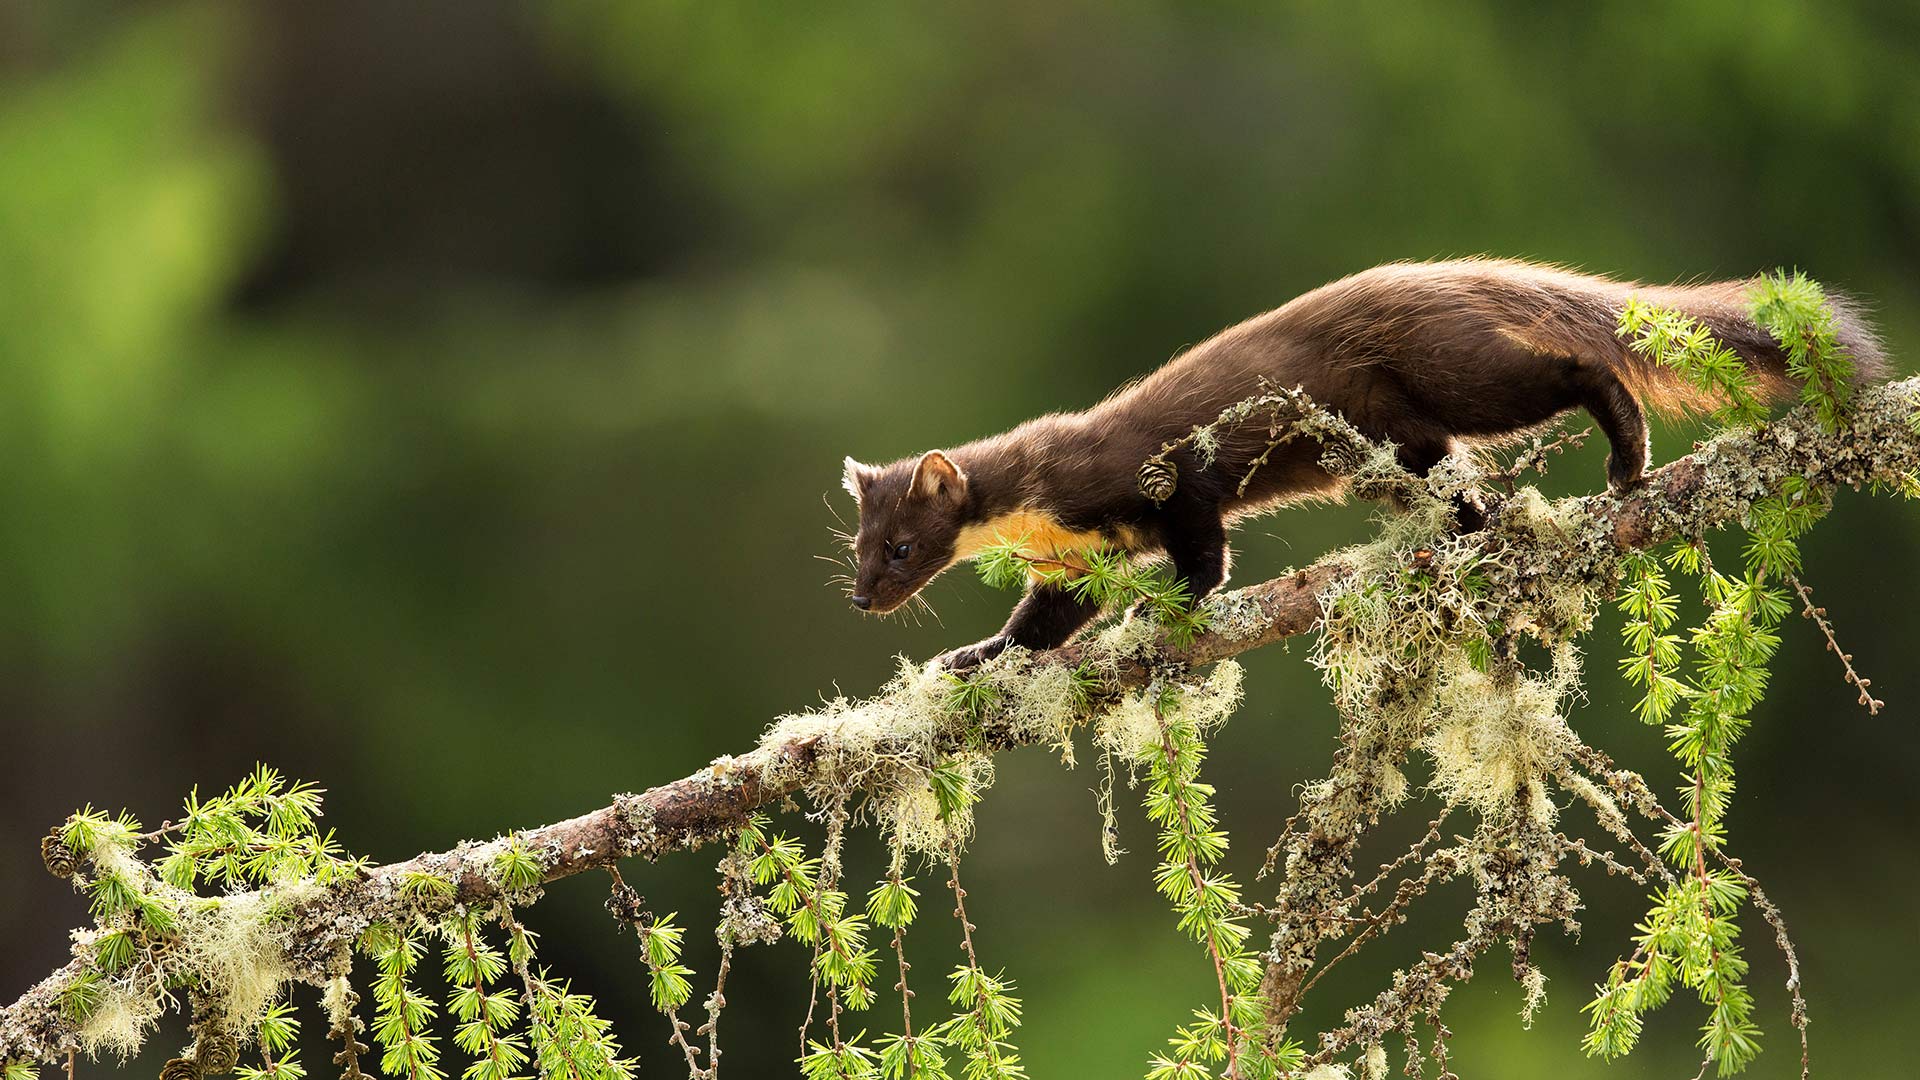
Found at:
[973, 655]
[1621, 486]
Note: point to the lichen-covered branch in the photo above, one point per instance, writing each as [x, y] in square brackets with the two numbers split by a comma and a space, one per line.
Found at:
[1537, 568]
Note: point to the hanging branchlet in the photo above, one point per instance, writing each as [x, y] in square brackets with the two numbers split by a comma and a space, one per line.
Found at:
[1690, 936]
[1810, 610]
[487, 1013]
[1234, 1037]
[892, 905]
[567, 1038]
[667, 982]
[345, 1026]
[816, 915]
[981, 1031]
[402, 1014]
[276, 1035]
[743, 920]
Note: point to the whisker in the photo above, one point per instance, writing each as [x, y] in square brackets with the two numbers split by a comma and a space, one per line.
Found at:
[845, 533]
[927, 605]
[826, 499]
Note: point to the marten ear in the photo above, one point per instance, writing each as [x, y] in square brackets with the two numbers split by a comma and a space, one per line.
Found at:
[857, 478]
[937, 475]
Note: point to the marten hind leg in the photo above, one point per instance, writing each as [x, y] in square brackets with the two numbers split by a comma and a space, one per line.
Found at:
[1618, 413]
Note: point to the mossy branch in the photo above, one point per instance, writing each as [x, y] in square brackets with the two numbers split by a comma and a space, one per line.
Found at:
[866, 748]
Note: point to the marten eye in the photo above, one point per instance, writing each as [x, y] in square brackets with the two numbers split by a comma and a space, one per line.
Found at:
[900, 551]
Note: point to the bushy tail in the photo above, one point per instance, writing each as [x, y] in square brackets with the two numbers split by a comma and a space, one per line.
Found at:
[1725, 308]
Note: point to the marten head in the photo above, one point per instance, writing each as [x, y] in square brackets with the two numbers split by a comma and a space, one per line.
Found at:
[911, 513]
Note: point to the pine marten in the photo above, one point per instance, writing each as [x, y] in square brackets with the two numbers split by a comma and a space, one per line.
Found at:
[1429, 356]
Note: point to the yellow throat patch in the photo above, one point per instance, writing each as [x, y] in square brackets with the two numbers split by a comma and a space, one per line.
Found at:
[1041, 536]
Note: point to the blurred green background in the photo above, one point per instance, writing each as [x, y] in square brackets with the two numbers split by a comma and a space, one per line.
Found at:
[438, 399]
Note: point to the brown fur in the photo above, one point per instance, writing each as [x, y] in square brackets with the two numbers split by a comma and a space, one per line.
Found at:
[1429, 356]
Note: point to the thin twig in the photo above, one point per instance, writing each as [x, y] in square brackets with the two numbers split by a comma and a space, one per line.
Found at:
[1392, 915]
[1819, 616]
[1534, 457]
[1587, 855]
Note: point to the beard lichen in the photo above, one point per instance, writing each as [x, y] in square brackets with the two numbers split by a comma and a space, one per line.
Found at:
[1130, 729]
[127, 1011]
[239, 944]
[1497, 732]
[883, 749]
[1417, 644]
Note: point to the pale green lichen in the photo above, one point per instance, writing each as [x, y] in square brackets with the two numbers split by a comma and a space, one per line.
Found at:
[861, 744]
[1038, 703]
[915, 817]
[129, 1005]
[1495, 732]
[884, 747]
[338, 1000]
[1130, 729]
[1127, 639]
[1534, 982]
[1373, 1063]
[1603, 805]
[127, 1011]
[1235, 616]
[239, 944]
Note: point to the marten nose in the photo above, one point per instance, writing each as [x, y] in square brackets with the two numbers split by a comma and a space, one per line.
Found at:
[862, 602]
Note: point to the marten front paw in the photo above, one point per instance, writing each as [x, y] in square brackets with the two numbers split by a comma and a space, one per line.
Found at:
[973, 655]
[1626, 485]
[1623, 478]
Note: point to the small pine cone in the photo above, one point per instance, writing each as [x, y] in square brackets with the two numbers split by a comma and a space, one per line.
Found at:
[179, 1069]
[626, 904]
[216, 1054]
[1157, 478]
[1342, 459]
[1373, 487]
[57, 855]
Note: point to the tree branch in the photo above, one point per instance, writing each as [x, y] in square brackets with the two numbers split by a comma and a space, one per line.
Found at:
[1711, 487]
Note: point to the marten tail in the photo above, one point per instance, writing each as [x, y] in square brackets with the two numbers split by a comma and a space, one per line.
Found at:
[1723, 307]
